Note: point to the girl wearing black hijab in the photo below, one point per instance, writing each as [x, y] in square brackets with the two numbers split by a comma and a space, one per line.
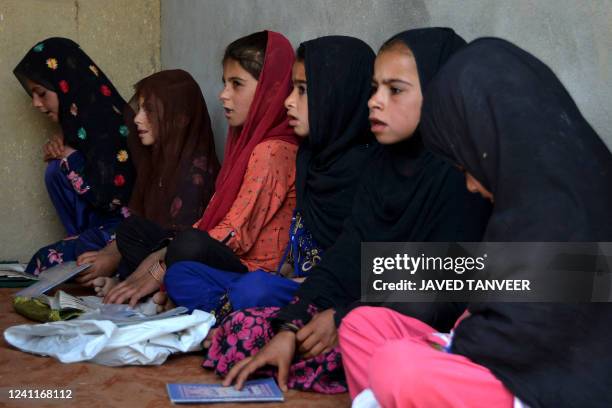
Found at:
[504, 117]
[337, 144]
[406, 194]
[89, 174]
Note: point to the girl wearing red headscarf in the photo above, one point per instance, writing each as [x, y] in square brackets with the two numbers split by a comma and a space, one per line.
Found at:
[245, 226]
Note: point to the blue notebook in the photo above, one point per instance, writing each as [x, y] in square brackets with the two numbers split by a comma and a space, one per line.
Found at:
[264, 390]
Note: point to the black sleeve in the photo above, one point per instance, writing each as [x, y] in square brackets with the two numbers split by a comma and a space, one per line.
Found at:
[336, 282]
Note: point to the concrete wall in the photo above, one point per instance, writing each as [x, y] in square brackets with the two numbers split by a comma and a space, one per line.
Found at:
[122, 37]
[573, 37]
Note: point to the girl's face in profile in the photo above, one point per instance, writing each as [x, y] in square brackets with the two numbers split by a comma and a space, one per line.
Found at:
[238, 92]
[297, 101]
[395, 104]
[44, 100]
[143, 120]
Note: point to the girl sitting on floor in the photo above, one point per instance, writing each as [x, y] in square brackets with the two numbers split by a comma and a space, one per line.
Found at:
[328, 109]
[176, 170]
[503, 116]
[89, 174]
[407, 194]
[245, 226]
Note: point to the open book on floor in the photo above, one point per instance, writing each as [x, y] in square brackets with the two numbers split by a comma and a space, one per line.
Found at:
[64, 306]
[262, 390]
[52, 277]
[13, 275]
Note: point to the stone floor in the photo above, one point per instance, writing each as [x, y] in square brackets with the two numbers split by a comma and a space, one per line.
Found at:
[99, 386]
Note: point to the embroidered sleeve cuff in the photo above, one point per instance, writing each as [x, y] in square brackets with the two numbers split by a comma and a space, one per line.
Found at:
[74, 162]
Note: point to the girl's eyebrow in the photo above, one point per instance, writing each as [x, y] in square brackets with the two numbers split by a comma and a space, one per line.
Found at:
[299, 81]
[234, 78]
[392, 80]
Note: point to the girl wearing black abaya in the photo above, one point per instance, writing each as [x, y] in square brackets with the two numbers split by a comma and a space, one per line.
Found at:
[505, 118]
[406, 194]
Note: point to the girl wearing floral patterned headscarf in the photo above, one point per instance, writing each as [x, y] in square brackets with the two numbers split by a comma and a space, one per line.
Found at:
[89, 174]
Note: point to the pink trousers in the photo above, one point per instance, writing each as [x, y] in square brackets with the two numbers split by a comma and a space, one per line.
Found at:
[396, 357]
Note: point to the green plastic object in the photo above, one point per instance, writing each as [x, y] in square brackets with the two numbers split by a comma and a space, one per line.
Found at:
[39, 311]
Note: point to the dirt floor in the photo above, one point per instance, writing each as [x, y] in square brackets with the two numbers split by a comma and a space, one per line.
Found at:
[99, 386]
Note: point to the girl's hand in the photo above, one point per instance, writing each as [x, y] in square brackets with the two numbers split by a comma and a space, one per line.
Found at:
[104, 263]
[54, 148]
[319, 335]
[278, 352]
[67, 151]
[140, 283]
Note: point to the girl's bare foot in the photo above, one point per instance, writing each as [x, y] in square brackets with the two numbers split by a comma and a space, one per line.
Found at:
[208, 340]
[103, 285]
[163, 302]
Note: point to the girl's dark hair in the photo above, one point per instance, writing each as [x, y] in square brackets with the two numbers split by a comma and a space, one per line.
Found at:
[249, 51]
[394, 42]
[300, 54]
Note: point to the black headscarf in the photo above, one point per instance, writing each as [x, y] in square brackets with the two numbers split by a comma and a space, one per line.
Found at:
[505, 117]
[407, 194]
[90, 114]
[338, 72]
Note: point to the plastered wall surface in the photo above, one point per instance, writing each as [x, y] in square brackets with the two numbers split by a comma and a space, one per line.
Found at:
[132, 39]
[573, 37]
[122, 37]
